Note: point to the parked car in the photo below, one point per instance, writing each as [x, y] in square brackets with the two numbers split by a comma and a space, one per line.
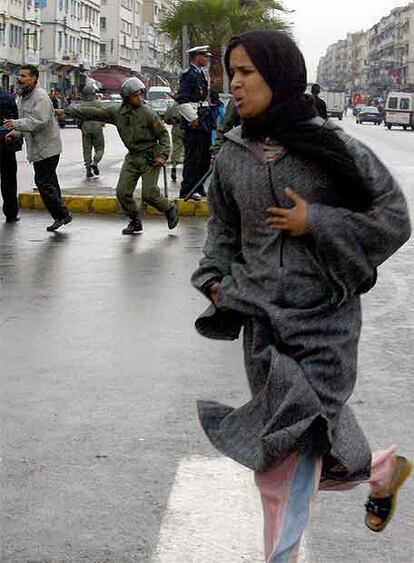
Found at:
[159, 99]
[113, 103]
[358, 108]
[369, 114]
[115, 98]
[399, 110]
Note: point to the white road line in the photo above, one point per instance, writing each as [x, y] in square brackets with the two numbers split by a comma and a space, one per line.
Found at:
[213, 514]
[303, 556]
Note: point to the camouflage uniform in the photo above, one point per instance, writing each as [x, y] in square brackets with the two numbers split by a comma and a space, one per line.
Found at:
[92, 138]
[145, 137]
[173, 117]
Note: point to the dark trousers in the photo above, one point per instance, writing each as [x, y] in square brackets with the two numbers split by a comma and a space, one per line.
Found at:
[8, 177]
[197, 158]
[48, 185]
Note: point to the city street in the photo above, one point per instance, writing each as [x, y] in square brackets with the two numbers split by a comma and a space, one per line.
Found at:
[102, 456]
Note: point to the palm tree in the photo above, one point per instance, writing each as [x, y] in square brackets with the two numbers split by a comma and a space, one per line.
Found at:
[214, 22]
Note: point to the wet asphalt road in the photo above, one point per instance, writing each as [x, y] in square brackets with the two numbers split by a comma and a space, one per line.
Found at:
[101, 368]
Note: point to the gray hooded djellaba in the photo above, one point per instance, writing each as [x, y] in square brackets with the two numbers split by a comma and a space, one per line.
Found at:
[296, 299]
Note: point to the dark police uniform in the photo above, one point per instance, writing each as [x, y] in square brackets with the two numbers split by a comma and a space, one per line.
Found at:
[8, 163]
[194, 89]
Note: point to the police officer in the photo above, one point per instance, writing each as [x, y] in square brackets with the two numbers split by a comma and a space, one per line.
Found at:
[198, 120]
[92, 132]
[148, 144]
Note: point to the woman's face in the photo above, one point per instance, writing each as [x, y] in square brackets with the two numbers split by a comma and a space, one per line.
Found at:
[252, 94]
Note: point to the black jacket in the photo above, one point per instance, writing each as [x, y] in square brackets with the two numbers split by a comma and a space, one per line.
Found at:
[320, 107]
[8, 109]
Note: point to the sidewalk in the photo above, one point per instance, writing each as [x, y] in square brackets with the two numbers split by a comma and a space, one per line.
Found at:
[89, 198]
[103, 200]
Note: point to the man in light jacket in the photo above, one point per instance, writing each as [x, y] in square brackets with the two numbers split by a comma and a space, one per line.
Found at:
[38, 125]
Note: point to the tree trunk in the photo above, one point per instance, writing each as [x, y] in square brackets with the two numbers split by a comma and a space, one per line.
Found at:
[216, 70]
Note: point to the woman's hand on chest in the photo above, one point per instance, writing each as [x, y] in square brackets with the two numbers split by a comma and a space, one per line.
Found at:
[293, 220]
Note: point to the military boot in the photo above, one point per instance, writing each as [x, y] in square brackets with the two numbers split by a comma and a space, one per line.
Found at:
[89, 173]
[95, 169]
[134, 226]
[172, 216]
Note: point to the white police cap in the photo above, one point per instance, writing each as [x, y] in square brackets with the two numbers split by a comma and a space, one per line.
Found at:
[200, 50]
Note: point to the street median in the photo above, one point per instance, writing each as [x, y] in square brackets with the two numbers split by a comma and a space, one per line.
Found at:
[108, 204]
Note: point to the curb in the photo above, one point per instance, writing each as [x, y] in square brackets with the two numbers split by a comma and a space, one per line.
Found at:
[109, 205]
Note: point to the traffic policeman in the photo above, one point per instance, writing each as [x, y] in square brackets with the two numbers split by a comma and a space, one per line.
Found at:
[198, 120]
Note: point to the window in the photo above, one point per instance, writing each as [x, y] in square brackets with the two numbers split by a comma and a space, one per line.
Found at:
[393, 103]
[103, 23]
[404, 103]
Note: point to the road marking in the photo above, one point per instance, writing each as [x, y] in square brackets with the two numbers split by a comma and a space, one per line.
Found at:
[117, 165]
[213, 514]
[303, 556]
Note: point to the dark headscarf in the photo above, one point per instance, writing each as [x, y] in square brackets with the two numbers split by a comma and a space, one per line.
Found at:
[288, 119]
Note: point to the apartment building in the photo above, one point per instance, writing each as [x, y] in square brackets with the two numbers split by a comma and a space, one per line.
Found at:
[391, 51]
[374, 61]
[19, 37]
[333, 71]
[358, 61]
[69, 38]
[130, 43]
[69, 42]
[155, 48]
[121, 28]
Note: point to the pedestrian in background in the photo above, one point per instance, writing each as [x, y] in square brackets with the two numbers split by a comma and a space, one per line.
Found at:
[92, 132]
[173, 117]
[320, 104]
[302, 215]
[13, 91]
[198, 121]
[148, 144]
[230, 119]
[39, 127]
[8, 162]
[218, 110]
[54, 99]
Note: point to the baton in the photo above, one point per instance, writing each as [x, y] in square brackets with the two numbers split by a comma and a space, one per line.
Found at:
[199, 183]
[164, 173]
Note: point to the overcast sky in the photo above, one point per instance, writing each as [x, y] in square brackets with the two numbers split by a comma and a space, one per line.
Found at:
[318, 23]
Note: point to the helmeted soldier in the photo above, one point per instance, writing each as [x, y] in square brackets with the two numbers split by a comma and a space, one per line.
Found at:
[92, 132]
[148, 143]
[198, 120]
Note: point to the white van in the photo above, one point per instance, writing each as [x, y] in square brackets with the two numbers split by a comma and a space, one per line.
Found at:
[335, 103]
[159, 99]
[399, 110]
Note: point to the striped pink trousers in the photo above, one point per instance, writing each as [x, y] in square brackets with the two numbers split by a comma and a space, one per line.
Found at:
[287, 492]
